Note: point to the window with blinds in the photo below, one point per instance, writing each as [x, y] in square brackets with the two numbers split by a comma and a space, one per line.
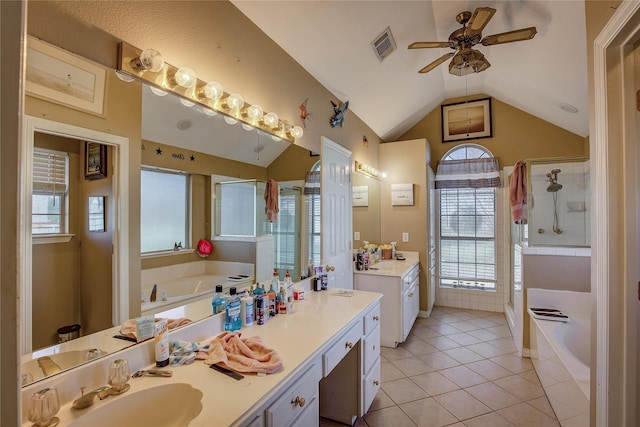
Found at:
[468, 233]
[312, 190]
[287, 232]
[49, 199]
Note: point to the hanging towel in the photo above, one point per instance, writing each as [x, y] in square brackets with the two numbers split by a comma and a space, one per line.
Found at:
[248, 355]
[518, 192]
[271, 193]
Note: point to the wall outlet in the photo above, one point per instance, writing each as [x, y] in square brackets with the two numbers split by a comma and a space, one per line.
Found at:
[405, 237]
[356, 235]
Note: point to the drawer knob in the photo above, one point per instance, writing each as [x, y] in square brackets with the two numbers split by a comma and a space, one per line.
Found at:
[376, 318]
[330, 268]
[376, 382]
[348, 345]
[299, 401]
[411, 295]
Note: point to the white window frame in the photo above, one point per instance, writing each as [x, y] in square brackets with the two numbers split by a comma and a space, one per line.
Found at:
[315, 208]
[470, 283]
[186, 243]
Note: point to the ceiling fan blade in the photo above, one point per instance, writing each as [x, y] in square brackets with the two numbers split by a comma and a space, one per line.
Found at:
[510, 36]
[479, 20]
[437, 62]
[423, 45]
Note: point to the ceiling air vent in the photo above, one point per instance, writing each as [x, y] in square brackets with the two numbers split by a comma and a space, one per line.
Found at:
[384, 44]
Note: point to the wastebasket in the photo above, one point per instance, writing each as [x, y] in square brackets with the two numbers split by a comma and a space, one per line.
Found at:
[68, 333]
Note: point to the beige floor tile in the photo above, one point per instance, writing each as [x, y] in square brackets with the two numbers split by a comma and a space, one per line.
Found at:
[463, 376]
[483, 335]
[462, 405]
[434, 383]
[382, 400]
[524, 415]
[493, 396]
[504, 343]
[467, 315]
[488, 369]
[428, 413]
[463, 338]
[485, 322]
[393, 416]
[463, 355]
[439, 360]
[487, 350]
[465, 325]
[520, 387]
[542, 404]
[425, 332]
[412, 366]
[513, 362]
[403, 390]
[444, 329]
[500, 330]
[395, 353]
[442, 343]
[389, 372]
[531, 376]
[418, 347]
[488, 420]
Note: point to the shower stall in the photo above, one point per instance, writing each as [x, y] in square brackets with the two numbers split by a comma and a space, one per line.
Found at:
[558, 203]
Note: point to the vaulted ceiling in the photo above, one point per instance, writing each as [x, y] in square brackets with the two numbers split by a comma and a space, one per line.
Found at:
[332, 41]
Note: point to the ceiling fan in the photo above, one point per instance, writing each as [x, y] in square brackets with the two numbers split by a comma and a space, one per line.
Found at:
[466, 59]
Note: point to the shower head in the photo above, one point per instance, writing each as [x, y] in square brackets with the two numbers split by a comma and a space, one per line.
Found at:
[553, 187]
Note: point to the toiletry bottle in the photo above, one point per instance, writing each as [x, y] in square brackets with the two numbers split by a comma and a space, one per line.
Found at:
[218, 301]
[282, 301]
[289, 305]
[232, 321]
[260, 309]
[161, 338]
[287, 279]
[310, 268]
[273, 310]
[247, 309]
[275, 281]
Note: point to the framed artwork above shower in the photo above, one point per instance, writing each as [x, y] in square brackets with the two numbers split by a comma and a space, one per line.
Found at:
[95, 160]
[466, 120]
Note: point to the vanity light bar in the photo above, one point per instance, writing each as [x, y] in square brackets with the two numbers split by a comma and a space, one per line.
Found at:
[369, 171]
[144, 67]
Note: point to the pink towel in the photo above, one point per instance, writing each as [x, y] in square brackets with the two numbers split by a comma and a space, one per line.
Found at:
[129, 328]
[518, 192]
[271, 193]
[242, 354]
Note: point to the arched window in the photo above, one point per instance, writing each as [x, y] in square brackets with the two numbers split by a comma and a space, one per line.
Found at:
[467, 218]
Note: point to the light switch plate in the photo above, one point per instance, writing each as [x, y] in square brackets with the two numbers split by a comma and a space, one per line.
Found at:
[356, 235]
[405, 237]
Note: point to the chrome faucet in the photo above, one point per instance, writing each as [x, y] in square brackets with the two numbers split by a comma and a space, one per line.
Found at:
[48, 366]
[86, 400]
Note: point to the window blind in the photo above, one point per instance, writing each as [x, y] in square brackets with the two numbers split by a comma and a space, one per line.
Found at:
[49, 171]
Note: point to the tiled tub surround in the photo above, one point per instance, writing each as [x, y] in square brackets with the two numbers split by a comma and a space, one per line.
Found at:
[561, 353]
[458, 368]
[188, 282]
[300, 338]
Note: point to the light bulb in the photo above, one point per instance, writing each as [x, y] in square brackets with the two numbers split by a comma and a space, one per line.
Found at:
[247, 127]
[209, 112]
[276, 138]
[157, 91]
[234, 102]
[149, 60]
[230, 120]
[124, 77]
[271, 120]
[187, 103]
[254, 112]
[296, 132]
[212, 90]
[185, 77]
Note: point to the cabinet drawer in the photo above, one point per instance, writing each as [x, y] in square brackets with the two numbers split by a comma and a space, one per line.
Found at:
[340, 348]
[412, 276]
[370, 386]
[293, 401]
[310, 415]
[371, 348]
[371, 319]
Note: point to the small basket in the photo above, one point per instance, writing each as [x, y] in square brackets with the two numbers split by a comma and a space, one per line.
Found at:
[386, 253]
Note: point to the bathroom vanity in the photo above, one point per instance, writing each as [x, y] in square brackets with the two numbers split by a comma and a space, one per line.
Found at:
[399, 282]
[331, 354]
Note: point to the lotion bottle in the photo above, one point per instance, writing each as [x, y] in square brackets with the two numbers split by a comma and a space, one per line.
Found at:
[161, 338]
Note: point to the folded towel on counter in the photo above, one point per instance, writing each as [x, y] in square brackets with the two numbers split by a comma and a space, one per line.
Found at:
[185, 352]
[248, 355]
[129, 327]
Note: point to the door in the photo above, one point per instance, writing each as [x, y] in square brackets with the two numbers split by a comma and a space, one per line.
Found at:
[335, 187]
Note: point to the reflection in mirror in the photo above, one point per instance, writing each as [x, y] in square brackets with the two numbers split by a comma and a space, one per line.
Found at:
[366, 217]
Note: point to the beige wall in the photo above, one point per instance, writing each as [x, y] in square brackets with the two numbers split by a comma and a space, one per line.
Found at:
[516, 135]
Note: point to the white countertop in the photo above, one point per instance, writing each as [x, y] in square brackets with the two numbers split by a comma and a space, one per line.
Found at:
[298, 338]
[392, 267]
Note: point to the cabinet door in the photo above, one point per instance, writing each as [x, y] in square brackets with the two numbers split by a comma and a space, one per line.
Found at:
[410, 309]
[370, 386]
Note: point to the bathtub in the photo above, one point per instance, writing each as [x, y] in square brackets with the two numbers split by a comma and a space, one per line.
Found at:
[561, 352]
[190, 282]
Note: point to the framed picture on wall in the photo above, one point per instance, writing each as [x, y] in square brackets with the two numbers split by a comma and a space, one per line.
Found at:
[466, 120]
[95, 160]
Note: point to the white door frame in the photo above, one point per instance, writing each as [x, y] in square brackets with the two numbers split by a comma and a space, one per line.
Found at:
[614, 156]
[120, 267]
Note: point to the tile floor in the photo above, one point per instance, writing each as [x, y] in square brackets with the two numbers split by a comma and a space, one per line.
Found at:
[458, 368]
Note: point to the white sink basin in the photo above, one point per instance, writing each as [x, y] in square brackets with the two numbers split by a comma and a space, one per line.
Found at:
[171, 404]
